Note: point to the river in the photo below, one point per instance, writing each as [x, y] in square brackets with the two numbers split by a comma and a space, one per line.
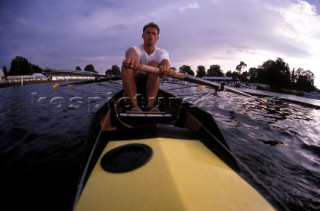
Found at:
[43, 132]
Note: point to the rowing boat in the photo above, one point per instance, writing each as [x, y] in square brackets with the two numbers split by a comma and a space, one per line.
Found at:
[174, 159]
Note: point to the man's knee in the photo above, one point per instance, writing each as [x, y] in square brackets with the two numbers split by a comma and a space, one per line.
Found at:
[153, 63]
[123, 69]
[126, 70]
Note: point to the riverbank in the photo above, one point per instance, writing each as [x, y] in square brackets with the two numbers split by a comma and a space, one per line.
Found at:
[19, 83]
[23, 83]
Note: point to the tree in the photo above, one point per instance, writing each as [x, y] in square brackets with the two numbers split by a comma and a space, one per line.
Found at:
[293, 78]
[90, 68]
[46, 70]
[78, 68]
[115, 70]
[201, 71]
[20, 66]
[229, 74]
[305, 81]
[283, 73]
[5, 72]
[262, 76]
[244, 77]
[275, 73]
[215, 70]
[186, 69]
[253, 74]
[35, 69]
[233, 74]
[241, 66]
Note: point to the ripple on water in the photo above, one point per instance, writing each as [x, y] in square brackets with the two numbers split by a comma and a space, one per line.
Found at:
[275, 140]
[278, 141]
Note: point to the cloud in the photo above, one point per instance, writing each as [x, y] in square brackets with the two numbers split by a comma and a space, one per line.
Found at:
[248, 29]
[188, 7]
[64, 34]
[300, 25]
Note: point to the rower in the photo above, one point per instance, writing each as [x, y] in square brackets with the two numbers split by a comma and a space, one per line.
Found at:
[147, 54]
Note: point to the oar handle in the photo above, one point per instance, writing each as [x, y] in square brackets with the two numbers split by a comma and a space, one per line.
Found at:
[156, 70]
[177, 75]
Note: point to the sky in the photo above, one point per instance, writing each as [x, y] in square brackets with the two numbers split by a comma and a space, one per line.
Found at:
[63, 34]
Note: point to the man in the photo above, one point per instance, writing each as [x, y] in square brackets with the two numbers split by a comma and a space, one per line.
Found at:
[147, 54]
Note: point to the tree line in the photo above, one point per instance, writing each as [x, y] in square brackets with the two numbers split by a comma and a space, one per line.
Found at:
[275, 73]
[21, 66]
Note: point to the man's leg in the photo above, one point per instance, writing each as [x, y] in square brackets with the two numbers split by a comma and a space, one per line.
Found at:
[152, 86]
[129, 77]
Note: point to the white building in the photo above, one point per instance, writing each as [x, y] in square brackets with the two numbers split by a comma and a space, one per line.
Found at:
[38, 76]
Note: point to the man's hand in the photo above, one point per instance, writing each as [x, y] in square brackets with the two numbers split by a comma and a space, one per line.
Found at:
[165, 67]
[165, 70]
[131, 61]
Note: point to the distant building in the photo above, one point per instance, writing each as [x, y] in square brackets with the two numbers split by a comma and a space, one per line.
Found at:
[223, 80]
[33, 77]
[74, 73]
[19, 77]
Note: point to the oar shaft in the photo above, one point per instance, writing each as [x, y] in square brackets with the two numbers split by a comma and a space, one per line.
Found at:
[237, 91]
[98, 80]
[188, 78]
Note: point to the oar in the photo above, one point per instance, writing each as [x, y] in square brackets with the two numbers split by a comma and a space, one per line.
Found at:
[189, 78]
[56, 85]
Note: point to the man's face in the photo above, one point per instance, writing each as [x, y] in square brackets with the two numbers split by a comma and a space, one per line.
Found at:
[150, 36]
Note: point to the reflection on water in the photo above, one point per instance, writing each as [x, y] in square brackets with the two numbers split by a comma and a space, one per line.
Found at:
[43, 132]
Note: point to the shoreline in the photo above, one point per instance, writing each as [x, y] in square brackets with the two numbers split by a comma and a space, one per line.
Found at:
[19, 83]
[11, 84]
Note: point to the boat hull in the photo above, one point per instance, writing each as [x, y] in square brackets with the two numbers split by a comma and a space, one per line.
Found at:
[181, 175]
[186, 165]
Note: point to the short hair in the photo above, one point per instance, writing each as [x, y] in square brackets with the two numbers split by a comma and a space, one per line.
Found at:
[153, 25]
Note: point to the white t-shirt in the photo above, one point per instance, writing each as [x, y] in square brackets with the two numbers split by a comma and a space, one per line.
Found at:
[157, 55]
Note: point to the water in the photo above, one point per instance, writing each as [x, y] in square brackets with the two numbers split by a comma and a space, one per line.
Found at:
[275, 140]
[43, 134]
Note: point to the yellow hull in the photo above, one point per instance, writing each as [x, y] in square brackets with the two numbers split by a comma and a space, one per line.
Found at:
[181, 175]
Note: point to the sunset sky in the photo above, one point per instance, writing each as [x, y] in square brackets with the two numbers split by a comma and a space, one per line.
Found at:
[63, 34]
